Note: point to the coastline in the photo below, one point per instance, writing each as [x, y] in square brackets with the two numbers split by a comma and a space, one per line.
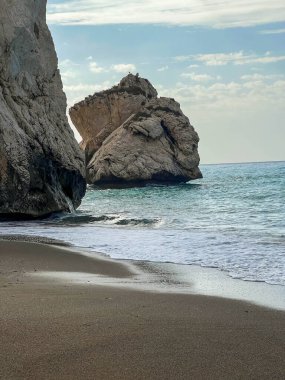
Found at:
[161, 277]
[59, 328]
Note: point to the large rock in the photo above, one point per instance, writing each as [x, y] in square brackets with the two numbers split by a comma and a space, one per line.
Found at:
[132, 136]
[41, 165]
[99, 115]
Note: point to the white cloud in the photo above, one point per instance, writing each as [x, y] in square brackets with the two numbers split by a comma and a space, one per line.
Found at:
[72, 70]
[261, 77]
[221, 59]
[67, 63]
[163, 68]
[272, 31]
[199, 77]
[218, 13]
[123, 68]
[68, 74]
[183, 58]
[68, 69]
[235, 95]
[264, 60]
[95, 68]
[86, 89]
[235, 58]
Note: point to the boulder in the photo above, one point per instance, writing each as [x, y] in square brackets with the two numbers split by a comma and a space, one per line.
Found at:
[42, 168]
[99, 115]
[131, 136]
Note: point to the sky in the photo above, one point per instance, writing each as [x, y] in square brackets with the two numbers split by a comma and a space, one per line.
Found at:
[222, 60]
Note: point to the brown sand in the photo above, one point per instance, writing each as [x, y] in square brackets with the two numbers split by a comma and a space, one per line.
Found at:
[56, 330]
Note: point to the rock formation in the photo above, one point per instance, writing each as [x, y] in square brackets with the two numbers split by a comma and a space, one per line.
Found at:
[132, 136]
[41, 165]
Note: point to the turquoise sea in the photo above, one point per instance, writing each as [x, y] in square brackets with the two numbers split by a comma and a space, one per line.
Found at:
[232, 219]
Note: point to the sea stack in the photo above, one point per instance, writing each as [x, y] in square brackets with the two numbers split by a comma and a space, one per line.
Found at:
[131, 136]
[41, 165]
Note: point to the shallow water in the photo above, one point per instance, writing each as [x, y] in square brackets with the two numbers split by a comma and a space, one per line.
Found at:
[232, 219]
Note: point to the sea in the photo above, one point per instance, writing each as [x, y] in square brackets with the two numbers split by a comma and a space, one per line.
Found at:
[233, 219]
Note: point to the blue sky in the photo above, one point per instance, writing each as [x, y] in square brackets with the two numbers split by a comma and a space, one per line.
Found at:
[223, 62]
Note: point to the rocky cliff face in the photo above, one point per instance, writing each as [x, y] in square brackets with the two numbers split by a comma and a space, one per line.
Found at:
[132, 136]
[41, 165]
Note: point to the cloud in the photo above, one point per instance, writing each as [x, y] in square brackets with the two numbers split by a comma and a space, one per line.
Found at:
[68, 74]
[163, 68]
[83, 89]
[221, 59]
[235, 58]
[95, 68]
[67, 63]
[123, 68]
[261, 77]
[237, 94]
[72, 70]
[217, 14]
[68, 69]
[199, 77]
[272, 31]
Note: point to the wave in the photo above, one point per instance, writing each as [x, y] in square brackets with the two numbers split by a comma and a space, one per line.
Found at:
[75, 220]
[137, 222]
[82, 219]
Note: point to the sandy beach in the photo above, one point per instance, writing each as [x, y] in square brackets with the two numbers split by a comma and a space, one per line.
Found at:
[58, 329]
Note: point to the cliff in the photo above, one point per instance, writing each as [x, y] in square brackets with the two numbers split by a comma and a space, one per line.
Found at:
[41, 165]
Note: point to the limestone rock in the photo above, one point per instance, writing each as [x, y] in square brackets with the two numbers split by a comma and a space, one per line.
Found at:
[99, 115]
[132, 136]
[41, 165]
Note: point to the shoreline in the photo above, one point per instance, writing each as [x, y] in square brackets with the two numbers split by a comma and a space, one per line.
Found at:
[180, 278]
[54, 328]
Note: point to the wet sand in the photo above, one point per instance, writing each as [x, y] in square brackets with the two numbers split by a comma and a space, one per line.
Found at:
[57, 329]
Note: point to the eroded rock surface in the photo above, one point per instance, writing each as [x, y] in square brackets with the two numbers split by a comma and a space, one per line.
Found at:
[132, 136]
[41, 165]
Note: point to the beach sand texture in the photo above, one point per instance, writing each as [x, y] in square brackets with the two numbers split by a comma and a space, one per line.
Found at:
[55, 329]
